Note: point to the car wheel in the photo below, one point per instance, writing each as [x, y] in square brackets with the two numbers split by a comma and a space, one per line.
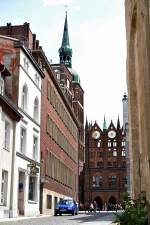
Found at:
[77, 212]
[73, 213]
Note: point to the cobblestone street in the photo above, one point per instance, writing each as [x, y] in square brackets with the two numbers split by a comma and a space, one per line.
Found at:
[104, 218]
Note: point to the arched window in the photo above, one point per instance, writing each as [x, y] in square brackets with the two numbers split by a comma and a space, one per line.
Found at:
[114, 143]
[109, 143]
[24, 99]
[36, 109]
[99, 144]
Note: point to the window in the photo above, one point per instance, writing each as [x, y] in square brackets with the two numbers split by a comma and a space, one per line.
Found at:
[109, 143]
[91, 154]
[123, 143]
[1, 85]
[109, 164]
[114, 152]
[100, 164]
[22, 140]
[37, 79]
[123, 152]
[7, 135]
[36, 110]
[124, 164]
[24, 98]
[112, 181]
[99, 143]
[68, 84]
[110, 152]
[58, 76]
[97, 181]
[114, 143]
[99, 154]
[32, 188]
[49, 201]
[114, 164]
[26, 64]
[35, 147]
[3, 199]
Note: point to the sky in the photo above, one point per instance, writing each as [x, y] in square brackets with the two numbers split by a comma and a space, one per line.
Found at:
[97, 38]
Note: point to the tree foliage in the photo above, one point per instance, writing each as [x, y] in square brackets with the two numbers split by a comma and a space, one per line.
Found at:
[134, 211]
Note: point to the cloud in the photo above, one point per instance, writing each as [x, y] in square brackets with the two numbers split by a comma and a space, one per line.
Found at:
[58, 2]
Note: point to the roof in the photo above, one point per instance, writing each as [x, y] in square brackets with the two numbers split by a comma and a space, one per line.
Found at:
[75, 76]
[10, 108]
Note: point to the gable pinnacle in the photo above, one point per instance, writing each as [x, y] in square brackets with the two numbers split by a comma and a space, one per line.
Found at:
[118, 123]
[104, 124]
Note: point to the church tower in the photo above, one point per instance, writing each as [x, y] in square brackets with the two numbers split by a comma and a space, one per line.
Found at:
[65, 51]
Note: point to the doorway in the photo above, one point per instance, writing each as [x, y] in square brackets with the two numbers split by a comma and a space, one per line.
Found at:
[21, 189]
[99, 203]
[112, 203]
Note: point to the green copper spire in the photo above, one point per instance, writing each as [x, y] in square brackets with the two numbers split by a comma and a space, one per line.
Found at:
[104, 124]
[65, 51]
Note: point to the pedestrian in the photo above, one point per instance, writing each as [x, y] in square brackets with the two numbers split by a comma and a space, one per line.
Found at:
[87, 207]
[91, 207]
[95, 206]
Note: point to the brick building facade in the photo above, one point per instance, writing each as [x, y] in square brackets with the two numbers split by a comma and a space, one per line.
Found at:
[104, 175]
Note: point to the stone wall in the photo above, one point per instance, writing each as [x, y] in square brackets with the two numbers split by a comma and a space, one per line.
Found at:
[138, 82]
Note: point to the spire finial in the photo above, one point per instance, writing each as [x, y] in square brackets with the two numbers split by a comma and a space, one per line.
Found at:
[66, 6]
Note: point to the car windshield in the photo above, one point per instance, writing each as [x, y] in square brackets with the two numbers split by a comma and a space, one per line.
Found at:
[65, 202]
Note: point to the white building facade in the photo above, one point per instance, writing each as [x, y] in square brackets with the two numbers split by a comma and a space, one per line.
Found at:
[9, 116]
[27, 140]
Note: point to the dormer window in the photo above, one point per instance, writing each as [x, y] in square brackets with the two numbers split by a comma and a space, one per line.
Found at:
[1, 85]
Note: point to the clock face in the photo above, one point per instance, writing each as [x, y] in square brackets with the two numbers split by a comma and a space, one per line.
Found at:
[96, 134]
[112, 134]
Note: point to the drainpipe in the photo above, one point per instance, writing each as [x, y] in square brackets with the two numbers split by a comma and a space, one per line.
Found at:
[11, 214]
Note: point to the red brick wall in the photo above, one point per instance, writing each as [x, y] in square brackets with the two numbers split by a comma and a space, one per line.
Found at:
[48, 143]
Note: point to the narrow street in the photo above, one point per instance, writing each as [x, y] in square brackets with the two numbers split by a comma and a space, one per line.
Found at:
[103, 218]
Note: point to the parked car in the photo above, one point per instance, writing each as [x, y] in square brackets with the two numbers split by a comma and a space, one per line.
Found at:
[66, 206]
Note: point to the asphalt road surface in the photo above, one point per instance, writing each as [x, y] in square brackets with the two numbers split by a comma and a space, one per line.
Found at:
[100, 218]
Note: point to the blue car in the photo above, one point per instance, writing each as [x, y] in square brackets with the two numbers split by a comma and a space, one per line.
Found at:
[66, 206]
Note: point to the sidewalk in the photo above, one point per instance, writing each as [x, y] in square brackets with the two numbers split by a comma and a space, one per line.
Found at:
[22, 218]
